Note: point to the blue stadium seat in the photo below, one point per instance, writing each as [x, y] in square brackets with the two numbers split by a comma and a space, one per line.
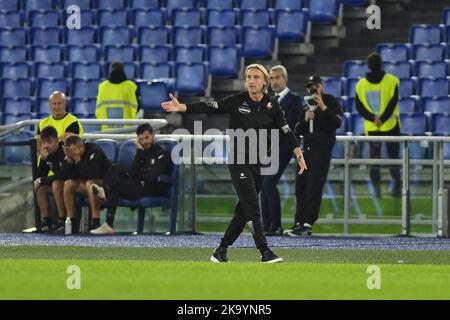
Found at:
[447, 34]
[119, 53]
[12, 36]
[350, 87]
[291, 25]
[144, 4]
[109, 147]
[428, 52]
[30, 5]
[190, 17]
[88, 18]
[110, 4]
[436, 104]
[224, 61]
[84, 36]
[175, 4]
[189, 54]
[191, 79]
[50, 70]
[15, 70]
[358, 3]
[45, 87]
[255, 18]
[323, 11]
[332, 85]
[441, 124]
[155, 70]
[221, 17]
[406, 87]
[226, 36]
[288, 4]
[45, 18]
[10, 5]
[187, 36]
[148, 17]
[126, 153]
[437, 69]
[45, 36]
[355, 68]
[13, 54]
[12, 118]
[88, 53]
[86, 70]
[42, 108]
[84, 88]
[154, 54]
[393, 52]
[115, 36]
[17, 88]
[17, 105]
[254, 4]
[446, 17]
[257, 42]
[342, 130]
[17, 155]
[52, 53]
[219, 4]
[83, 4]
[112, 17]
[357, 125]
[408, 105]
[421, 34]
[153, 35]
[433, 87]
[11, 19]
[130, 69]
[153, 93]
[400, 69]
[413, 124]
[83, 108]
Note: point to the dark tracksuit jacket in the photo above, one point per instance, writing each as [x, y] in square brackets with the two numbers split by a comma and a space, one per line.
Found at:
[53, 163]
[247, 114]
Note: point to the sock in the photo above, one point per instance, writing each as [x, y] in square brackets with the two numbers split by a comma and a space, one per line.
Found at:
[110, 219]
[264, 249]
[96, 223]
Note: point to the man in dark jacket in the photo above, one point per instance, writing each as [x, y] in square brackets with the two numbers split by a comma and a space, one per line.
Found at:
[150, 161]
[85, 164]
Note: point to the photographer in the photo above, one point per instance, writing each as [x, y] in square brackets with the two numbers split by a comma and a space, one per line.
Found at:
[318, 122]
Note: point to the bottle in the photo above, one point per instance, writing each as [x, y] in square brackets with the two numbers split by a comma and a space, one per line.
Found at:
[68, 226]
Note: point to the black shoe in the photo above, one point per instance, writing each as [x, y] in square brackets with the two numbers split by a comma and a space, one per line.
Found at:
[270, 257]
[278, 231]
[59, 228]
[286, 232]
[94, 225]
[219, 255]
[46, 227]
[300, 231]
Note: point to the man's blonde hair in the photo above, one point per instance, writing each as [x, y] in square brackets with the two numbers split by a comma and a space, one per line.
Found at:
[263, 70]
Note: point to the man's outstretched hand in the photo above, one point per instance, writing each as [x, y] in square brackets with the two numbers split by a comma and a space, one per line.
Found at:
[173, 105]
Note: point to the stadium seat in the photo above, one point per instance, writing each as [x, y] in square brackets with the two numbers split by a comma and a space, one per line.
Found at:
[393, 52]
[17, 155]
[153, 93]
[13, 54]
[332, 85]
[84, 88]
[88, 18]
[112, 17]
[83, 108]
[148, 17]
[437, 69]
[45, 87]
[342, 130]
[111, 36]
[406, 87]
[86, 70]
[83, 4]
[358, 3]
[88, 53]
[441, 124]
[288, 4]
[323, 11]
[150, 71]
[119, 53]
[50, 70]
[338, 150]
[154, 54]
[17, 105]
[9, 5]
[224, 61]
[45, 18]
[176, 4]
[257, 42]
[355, 68]
[191, 79]
[125, 155]
[187, 36]
[436, 104]
[227, 36]
[189, 17]
[400, 69]
[109, 147]
[144, 4]
[357, 125]
[52, 53]
[12, 36]
[350, 87]
[433, 87]
[446, 17]
[45, 36]
[189, 54]
[291, 25]
[110, 4]
[408, 105]
[421, 34]
[15, 70]
[30, 5]
[12, 118]
[83, 37]
[447, 34]
[428, 52]
[20, 88]
[221, 17]
[130, 69]
[153, 35]
[413, 124]
[254, 4]
[219, 4]
[42, 107]
[255, 18]
[10, 19]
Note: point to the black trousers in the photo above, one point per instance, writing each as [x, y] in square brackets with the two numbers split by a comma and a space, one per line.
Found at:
[247, 181]
[309, 185]
[270, 196]
[393, 151]
[119, 185]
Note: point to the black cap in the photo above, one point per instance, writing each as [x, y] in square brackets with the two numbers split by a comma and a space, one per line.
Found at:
[313, 80]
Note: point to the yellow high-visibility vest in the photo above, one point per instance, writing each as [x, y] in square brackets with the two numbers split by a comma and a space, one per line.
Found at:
[116, 101]
[60, 125]
[375, 98]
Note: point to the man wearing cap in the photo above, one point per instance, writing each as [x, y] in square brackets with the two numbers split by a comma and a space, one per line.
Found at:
[318, 121]
[141, 180]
